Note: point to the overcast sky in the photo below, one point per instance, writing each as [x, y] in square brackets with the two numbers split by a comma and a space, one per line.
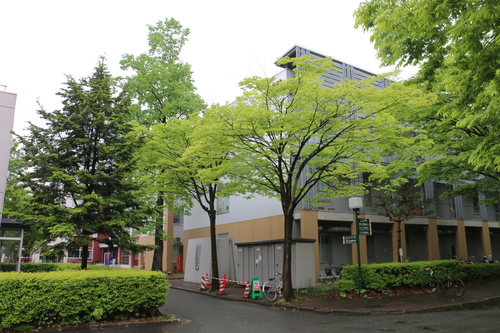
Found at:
[41, 41]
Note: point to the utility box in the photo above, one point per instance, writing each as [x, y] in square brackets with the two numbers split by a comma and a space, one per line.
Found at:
[265, 258]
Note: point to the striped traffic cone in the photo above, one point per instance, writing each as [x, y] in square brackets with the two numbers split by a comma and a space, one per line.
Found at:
[225, 281]
[207, 281]
[247, 290]
[221, 287]
[203, 283]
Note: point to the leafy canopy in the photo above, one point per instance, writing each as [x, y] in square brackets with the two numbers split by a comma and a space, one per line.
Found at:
[457, 46]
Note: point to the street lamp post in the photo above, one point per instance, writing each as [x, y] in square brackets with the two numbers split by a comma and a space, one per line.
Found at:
[356, 204]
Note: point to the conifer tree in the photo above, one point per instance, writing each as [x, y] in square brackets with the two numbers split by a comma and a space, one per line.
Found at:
[80, 165]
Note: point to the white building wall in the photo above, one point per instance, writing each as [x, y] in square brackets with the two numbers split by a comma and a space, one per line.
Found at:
[7, 108]
[240, 209]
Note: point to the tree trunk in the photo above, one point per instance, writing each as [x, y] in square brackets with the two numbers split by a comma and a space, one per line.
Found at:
[287, 258]
[214, 286]
[158, 251]
[85, 255]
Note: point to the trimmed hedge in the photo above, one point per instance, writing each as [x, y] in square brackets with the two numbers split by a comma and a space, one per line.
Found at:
[384, 277]
[72, 297]
[46, 267]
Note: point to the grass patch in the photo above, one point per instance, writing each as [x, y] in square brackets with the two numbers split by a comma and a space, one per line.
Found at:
[174, 275]
[321, 290]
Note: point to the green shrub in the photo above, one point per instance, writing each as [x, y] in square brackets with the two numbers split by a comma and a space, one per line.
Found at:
[72, 297]
[46, 267]
[384, 277]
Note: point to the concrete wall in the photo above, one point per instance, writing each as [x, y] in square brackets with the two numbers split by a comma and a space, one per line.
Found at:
[7, 109]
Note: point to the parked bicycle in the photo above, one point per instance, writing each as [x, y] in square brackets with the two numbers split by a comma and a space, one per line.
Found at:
[332, 274]
[453, 284]
[274, 287]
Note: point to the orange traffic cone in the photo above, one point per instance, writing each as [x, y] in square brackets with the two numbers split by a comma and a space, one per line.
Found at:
[221, 287]
[225, 281]
[247, 290]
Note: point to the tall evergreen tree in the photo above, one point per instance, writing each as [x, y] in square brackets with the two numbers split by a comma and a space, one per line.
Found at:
[81, 165]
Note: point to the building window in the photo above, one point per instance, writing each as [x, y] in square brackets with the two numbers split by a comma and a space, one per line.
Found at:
[77, 253]
[326, 248]
[179, 218]
[222, 205]
[475, 201]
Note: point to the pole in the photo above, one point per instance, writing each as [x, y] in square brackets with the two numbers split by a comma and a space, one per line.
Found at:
[360, 278]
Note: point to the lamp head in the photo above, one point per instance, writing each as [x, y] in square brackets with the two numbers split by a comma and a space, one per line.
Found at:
[356, 203]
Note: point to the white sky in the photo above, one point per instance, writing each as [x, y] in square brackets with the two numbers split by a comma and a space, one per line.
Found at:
[41, 41]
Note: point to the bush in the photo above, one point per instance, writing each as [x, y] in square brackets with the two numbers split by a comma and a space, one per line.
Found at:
[69, 297]
[46, 267]
[384, 277]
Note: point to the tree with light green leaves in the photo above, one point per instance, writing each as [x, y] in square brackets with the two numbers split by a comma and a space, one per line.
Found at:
[456, 45]
[289, 135]
[163, 89]
[80, 167]
[191, 155]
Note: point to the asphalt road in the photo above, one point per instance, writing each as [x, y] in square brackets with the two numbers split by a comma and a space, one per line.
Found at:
[200, 313]
[204, 314]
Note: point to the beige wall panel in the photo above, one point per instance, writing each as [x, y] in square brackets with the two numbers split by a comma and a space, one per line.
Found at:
[255, 230]
[146, 258]
[486, 239]
[461, 240]
[309, 229]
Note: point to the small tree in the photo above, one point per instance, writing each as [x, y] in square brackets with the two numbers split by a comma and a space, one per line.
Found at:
[399, 201]
[80, 165]
[192, 156]
[289, 135]
[18, 200]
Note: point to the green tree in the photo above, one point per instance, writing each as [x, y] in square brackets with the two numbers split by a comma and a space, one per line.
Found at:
[457, 46]
[291, 134]
[18, 199]
[81, 165]
[163, 88]
[194, 163]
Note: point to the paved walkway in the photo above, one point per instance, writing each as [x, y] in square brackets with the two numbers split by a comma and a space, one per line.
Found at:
[488, 291]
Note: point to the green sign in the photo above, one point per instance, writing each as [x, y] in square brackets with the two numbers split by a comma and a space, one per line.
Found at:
[350, 239]
[365, 227]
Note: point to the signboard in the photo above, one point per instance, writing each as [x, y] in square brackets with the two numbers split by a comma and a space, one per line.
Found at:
[365, 227]
[349, 239]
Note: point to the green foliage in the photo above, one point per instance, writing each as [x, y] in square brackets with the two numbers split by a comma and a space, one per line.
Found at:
[163, 88]
[79, 167]
[69, 297]
[384, 277]
[161, 82]
[47, 267]
[456, 45]
[287, 136]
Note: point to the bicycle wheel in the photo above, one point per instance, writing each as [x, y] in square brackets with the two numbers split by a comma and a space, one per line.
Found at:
[430, 285]
[456, 287]
[270, 291]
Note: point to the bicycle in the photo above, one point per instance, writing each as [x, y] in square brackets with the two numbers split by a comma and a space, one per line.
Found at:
[334, 274]
[273, 287]
[454, 285]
